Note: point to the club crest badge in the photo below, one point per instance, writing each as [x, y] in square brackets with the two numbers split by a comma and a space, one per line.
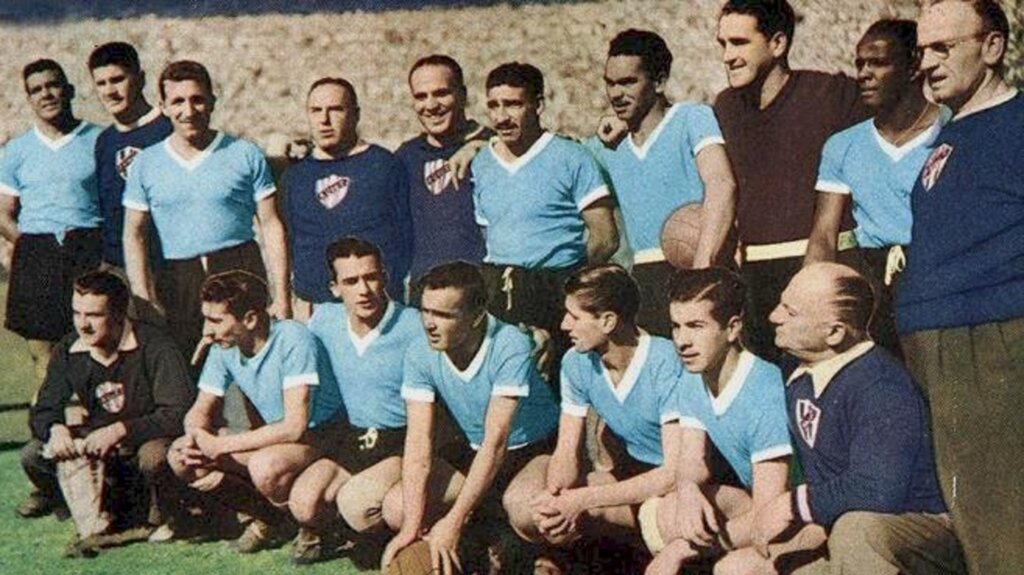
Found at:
[808, 416]
[436, 176]
[933, 167]
[330, 191]
[111, 396]
[123, 160]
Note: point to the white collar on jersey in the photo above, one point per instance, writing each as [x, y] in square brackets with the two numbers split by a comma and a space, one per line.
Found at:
[925, 138]
[363, 343]
[517, 164]
[733, 386]
[641, 151]
[478, 360]
[636, 365]
[195, 162]
[62, 141]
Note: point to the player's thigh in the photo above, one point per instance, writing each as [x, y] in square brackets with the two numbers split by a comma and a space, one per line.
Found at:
[275, 461]
[530, 481]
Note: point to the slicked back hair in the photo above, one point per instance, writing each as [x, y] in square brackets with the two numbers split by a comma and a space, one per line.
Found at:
[773, 16]
[462, 276]
[184, 70]
[518, 75]
[42, 65]
[104, 283]
[339, 82]
[120, 54]
[239, 290]
[442, 60]
[854, 302]
[351, 246]
[723, 288]
[605, 287]
[655, 57]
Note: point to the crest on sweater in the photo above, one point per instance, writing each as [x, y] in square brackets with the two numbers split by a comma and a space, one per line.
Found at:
[123, 160]
[808, 416]
[436, 176]
[933, 167]
[111, 396]
[332, 189]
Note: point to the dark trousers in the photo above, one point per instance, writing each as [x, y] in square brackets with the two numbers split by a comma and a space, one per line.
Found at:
[883, 323]
[142, 476]
[652, 279]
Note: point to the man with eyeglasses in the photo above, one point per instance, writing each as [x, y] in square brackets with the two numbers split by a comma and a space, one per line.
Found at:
[959, 309]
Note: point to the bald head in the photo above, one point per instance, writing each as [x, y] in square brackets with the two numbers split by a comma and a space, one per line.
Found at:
[843, 290]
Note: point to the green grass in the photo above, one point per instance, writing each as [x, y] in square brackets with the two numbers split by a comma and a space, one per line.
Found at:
[35, 547]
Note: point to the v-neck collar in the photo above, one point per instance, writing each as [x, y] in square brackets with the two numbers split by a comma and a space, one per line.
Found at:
[636, 365]
[517, 164]
[474, 366]
[925, 138]
[733, 386]
[641, 151]
[361, 344]
[60, 142]
[195, 162]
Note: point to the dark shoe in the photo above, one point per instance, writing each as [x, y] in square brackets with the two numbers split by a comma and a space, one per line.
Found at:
[82, 548]
[259, 536]
[61, 513]
[37, 505]
[311, 547]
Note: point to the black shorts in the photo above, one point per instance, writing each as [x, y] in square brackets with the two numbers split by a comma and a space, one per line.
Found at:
[460, 456]
[43, 273]
[357, 449]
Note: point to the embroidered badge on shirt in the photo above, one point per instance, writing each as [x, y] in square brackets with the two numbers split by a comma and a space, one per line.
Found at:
[933, 167]
[111, 396]
[123, 160]
[436, 176]
[807, 416]
[331, 190]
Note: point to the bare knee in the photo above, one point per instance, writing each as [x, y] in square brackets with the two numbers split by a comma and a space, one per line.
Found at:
[391, 508]
[306, 501]
[742, 562]
[271, 474]
[153, 457]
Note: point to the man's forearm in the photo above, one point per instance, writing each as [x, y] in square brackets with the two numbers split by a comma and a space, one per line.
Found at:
[277, 258]
[481, 475]
[719, 213]
[632, 491]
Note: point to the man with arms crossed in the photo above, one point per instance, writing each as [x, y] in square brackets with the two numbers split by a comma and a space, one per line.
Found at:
[775, 121]
[875, 164]
[739, 406]
[860, 428]
[959, 310]
[295, 403]
[672, 155]
[134, 386]
[442, 208]
[344, 187]
[202, 189]
[483, 371]
[119, 79]
[366, 337]
[49, 210]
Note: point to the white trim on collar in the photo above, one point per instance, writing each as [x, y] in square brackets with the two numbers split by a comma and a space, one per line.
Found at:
[129, 342]
[897, 153]
[641, 152]
[727, 396]
[361, 344]
[517, 164]
[636, 366]
[62, 141]
[997, 101]
[478, 360]
[195, 162]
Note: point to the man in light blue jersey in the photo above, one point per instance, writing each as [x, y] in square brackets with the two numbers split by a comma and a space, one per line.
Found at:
[541, 200]
[737, 405]
[628, 378]
[876, 162]
[672, 155]
[294, 408]
[482, 370]
[49, 210]
[202, 188]
[366, 337]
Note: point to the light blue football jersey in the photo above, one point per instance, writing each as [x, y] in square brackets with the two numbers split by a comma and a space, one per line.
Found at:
[54, 180]
[531, 208]
[291, 357]
[204, 204]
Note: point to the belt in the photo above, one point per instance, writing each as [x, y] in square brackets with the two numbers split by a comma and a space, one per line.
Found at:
[793, 249]
[649, 256]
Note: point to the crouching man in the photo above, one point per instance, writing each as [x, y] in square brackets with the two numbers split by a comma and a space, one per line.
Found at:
[294, 401]
[134, 389]
[860, 428]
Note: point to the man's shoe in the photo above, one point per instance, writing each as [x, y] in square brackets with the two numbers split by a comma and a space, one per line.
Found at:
[164, 533]
[311, 547]
[86, 548]
[259, 536]
[36, 505]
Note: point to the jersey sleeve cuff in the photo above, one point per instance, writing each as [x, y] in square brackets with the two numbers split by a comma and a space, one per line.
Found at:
[211, 389]
[669, 416]
[9, 191]
[691, 423]
[708, 141]
[574, 410]
[773, 452]
[594, 195]
[510, 390]
[803, 504]
[417, 394]
[297, 380]
[137, 206]
[266, 193]
[832, 187]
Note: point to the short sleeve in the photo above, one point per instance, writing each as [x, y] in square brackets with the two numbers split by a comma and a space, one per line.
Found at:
[702, 128]
[417, 381]
[690, 389]
[589, 185]
[769, 434]
[299, 365]
[9, 162]
[215, 378]
[135, 196]
[669, 380]
[830, 172]
[474, 170]
[513, 362]
[575, 401]
[262, 181]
